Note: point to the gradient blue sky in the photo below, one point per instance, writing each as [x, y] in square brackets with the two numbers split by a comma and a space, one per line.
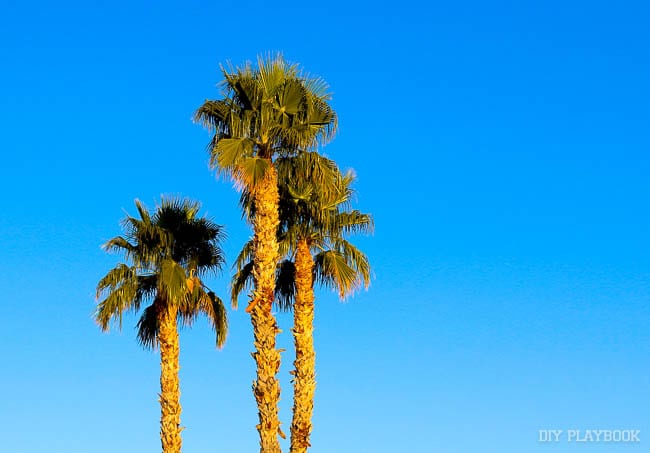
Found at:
[501, 146]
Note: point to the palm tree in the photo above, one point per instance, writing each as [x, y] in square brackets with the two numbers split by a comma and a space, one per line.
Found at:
[267, 112]
[313, 234]
[168, 254]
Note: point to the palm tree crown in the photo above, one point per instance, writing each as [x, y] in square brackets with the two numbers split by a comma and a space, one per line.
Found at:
[169, 253]
[266, 112]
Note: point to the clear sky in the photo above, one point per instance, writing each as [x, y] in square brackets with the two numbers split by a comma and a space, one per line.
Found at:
[501, 146]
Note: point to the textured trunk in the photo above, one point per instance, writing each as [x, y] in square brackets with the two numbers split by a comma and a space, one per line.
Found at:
[267, 358]
[304, 383]
[170, 405]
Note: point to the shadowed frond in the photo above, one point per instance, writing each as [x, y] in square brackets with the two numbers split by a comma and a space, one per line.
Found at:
[148, 327]
[241, 281]
[245, 255]
[285, 284]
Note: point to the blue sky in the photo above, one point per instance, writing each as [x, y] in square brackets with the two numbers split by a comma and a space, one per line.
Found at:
[502, 148]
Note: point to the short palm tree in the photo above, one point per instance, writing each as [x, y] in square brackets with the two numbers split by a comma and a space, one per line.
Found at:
[267, 112]
[167, 253]
[315, 223]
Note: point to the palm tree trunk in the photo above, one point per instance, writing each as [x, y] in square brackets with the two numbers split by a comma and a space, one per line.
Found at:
[170, 406]
[304, 383]
[266, 387]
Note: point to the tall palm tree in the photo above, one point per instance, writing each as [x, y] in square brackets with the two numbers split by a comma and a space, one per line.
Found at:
[270, 111]
[314, 225]
[168, 254]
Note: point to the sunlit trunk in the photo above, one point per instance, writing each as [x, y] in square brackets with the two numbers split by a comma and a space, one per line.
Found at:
[267, 358]
[304, 383]
[170, 406]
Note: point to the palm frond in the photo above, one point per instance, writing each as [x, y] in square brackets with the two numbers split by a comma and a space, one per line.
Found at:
[212, 306]
[119, 244]
[357, 260]
[213, 115]
[251, 171]
[352, 222]
[285, 285]
[172, 281]
[147, 287]
[148, 327]
[114, 278]
[229, 153]
[245, 255]
[122, 286]
[241, 281]
[333, 271]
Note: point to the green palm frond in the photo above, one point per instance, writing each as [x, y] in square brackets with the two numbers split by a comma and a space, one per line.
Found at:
[121, 286]
[285, 284]
[356, 259]
[351, 222]
[309, 168]
[230, 152]
[251, 171]
[273, 71]
[172, 281]
[242, 280]
[332, 270]
[213, 115]
[245, 255]
[147, 286]
[142, 210]
[119, 244]
[115, 277]
[148, 327]
[214, 309]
